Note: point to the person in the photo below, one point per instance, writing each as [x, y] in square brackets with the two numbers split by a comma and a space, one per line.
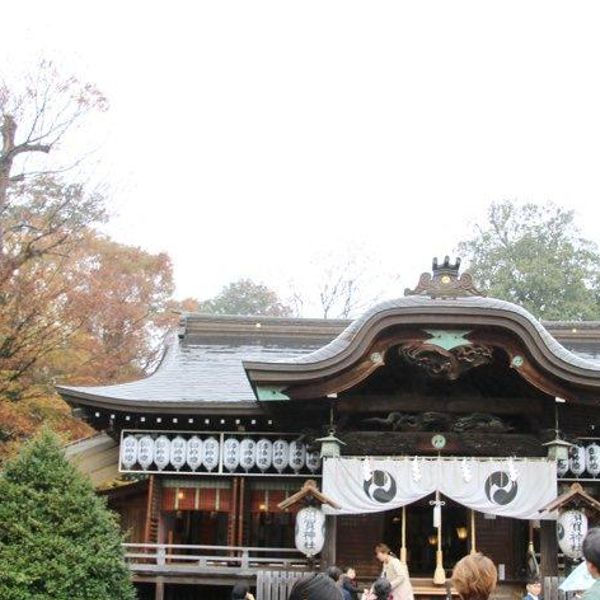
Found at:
[474, 577]
[334, 573]
[350, 590]
[240, 592]
[534, 589]
[317, 586]
[591, 553]
[395, 572]
[380, 590]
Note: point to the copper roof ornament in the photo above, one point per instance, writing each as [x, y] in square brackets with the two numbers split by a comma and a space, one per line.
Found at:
[444, 282]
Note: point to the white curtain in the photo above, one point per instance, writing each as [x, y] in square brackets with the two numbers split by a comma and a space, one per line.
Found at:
[504, 487]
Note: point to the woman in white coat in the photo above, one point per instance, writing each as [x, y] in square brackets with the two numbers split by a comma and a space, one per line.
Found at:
[395, 572]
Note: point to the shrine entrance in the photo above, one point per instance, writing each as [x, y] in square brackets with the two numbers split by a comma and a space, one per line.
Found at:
[421, 535]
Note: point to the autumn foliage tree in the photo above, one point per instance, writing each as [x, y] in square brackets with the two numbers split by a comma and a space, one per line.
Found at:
[74, 305]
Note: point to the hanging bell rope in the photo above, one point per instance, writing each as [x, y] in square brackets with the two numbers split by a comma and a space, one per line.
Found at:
[473, 538]
[403, 552]
[439, 577]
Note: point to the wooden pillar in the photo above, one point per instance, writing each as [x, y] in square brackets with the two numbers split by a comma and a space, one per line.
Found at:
[160, 589]
[241, 509]
[548, 549]
[329, 555]
[233, 513]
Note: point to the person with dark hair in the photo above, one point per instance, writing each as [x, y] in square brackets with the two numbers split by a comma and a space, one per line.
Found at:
[315, 587]
[591, 553]
[380, 590]
[395, 572]
[334, 573]
[534, 589]
[240, 592]
[350, 590]
[474, 577]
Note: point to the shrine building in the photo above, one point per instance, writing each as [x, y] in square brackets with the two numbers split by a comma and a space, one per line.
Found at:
[438, 423]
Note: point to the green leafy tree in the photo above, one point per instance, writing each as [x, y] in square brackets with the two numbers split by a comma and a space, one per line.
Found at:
[534, 255]
[245, 297]
[57, 538]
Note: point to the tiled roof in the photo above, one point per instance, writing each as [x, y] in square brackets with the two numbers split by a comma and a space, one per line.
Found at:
[204, 366]
[205, 369]
[408, 303]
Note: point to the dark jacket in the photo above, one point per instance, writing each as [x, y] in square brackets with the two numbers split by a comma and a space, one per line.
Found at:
[349, 590]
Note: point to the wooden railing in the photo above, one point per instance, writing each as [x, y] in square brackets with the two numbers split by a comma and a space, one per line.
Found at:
[193, 559]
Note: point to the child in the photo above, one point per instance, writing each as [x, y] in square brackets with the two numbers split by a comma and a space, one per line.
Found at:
[350, 590]
[534, 589]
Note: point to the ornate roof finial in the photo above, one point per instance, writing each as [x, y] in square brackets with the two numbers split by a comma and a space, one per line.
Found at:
[445, 282]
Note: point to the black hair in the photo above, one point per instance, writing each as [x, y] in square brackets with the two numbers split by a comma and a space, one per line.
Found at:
[315, 587]
[382, 589]
[591, 547]
[533, 580]
[334, 573]
[347, 568]
[239, 591]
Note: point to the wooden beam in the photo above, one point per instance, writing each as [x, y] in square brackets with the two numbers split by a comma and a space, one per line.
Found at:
[372, 403]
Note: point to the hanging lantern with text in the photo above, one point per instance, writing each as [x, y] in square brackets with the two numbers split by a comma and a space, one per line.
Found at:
[577, 460]
[193, 454]
[313, 461]
[129, 451]
[562, 467]
[145, 451]
[178, 452]
[592, 460]
[210, 454]
[247, 454]
[162, 452]
[281, 451]
[310, 531]
[297, 456]
[264, 454]
[231, 454]
[571, 529]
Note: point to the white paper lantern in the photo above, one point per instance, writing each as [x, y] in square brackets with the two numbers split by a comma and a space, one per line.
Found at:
[162, 452]
[310, 530]
[264, 454]
[297, 456]
[247, 454]
[178, 452]
[592, 460]
[571, 529]
[231, 454]
[210, 454]
[562, 467]
[145, 451]
[281, 452]
[577, 460]
[129, 451]
[193, 452]
[313, 461]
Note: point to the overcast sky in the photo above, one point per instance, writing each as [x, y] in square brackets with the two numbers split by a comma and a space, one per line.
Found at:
[247, 138]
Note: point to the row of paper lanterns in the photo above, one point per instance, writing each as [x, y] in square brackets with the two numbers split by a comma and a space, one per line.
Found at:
[582, 459]
[196, 453]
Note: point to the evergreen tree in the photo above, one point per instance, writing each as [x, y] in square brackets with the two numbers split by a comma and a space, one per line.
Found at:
[57, 538]
[534, 255]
